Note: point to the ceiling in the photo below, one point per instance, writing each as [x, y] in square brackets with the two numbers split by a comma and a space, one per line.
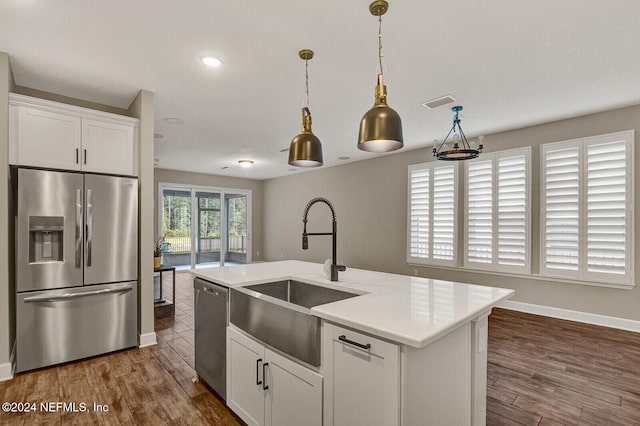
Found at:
[509, 63]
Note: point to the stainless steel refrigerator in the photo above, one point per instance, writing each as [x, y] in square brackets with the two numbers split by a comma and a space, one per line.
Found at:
[76, 265]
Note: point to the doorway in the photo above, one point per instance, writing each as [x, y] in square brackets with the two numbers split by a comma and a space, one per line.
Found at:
[204, 227]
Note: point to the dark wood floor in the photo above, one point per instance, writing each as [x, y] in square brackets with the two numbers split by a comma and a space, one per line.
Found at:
[545, 371]
[148, 386]
[541, 371]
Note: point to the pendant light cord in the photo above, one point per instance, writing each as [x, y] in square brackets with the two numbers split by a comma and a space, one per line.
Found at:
[306, 82]
[380, 42]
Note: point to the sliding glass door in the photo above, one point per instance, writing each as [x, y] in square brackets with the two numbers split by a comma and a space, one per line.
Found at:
[236, 229]
[176, 227]
[209, 225]
[205, 227]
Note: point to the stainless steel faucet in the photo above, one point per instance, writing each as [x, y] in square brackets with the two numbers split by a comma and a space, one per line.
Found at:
[334, 234]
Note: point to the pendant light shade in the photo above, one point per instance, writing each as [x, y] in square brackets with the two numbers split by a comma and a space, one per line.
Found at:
[381, 126]
[305, 149]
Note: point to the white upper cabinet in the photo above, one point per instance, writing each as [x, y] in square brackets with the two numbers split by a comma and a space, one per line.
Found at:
[48, 139]
[107, 147]
[59, 136]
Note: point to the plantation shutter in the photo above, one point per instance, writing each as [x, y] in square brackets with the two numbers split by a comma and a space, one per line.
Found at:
[432, 198]
[497, 202]
[587, 206]
[606, 207]
[480, 212]
[444, 196]
[512, 211]
[419, 213]
[562, 208]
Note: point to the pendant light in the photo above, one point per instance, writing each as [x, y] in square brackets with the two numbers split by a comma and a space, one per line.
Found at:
[380, 127]
[306, 149]
[457, 152]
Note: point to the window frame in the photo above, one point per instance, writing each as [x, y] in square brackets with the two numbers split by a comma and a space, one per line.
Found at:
[583, 275]
[494, 265]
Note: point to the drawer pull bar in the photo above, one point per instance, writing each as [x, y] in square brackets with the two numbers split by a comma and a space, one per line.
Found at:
[264, 376]
[343, 338]
[258, 361]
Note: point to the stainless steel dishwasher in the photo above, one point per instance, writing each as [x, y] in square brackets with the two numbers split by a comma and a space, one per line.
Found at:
[211, 304]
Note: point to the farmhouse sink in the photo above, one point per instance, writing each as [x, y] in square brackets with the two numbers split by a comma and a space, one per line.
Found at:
[279, 314]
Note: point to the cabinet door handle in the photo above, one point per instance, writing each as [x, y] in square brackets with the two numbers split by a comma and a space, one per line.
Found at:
[258, 381]
[264, 376]
[77, 156]
[85, 156]
[343, 338]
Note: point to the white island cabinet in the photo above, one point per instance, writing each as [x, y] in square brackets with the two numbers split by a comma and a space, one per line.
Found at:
[363, 378]
[53, 135]
[265, 388]
[406, 351]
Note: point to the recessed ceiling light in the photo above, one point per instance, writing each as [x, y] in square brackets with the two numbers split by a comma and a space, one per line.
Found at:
[344, 158]
[158, 135]
[173, 120]
[212, 62]
[245, 163]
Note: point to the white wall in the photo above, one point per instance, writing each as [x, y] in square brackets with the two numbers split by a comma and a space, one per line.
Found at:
[370, 200]
[143, 108]
[7, 292]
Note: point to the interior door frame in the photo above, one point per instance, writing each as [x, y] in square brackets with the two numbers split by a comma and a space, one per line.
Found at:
[223, 215]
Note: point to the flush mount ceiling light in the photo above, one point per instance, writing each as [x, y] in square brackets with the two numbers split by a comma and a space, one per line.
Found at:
[380, 127]
[212, 62]
[305, 149]
[461, 148]
[245, 164]
[173, 120]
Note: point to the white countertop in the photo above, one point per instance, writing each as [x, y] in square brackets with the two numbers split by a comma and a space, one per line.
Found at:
[409, 310]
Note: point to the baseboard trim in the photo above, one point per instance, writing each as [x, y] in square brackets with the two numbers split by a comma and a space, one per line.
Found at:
[7, 368]
[148, 339]
[595, 319]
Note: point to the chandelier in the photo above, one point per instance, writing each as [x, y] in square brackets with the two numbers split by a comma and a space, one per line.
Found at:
[461, 148]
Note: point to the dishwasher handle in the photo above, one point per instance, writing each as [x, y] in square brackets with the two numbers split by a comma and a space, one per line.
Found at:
[211, 289]
[215, 292]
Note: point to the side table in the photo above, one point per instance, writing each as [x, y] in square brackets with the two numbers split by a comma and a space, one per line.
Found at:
[163, 307]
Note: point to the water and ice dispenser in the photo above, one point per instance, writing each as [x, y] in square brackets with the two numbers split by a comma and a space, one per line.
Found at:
[46, 239]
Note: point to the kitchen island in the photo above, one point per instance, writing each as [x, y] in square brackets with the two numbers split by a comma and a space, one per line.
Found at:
[406, 350]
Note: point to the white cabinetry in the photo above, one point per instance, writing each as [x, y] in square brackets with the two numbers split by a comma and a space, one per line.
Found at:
[59, 136]
[265, 388]
[47, 139]
[363, 378]
[107, 147]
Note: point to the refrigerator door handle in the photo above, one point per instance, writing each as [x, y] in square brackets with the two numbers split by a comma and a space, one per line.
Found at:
[89, 226]
[78, 228]
[69, 296]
